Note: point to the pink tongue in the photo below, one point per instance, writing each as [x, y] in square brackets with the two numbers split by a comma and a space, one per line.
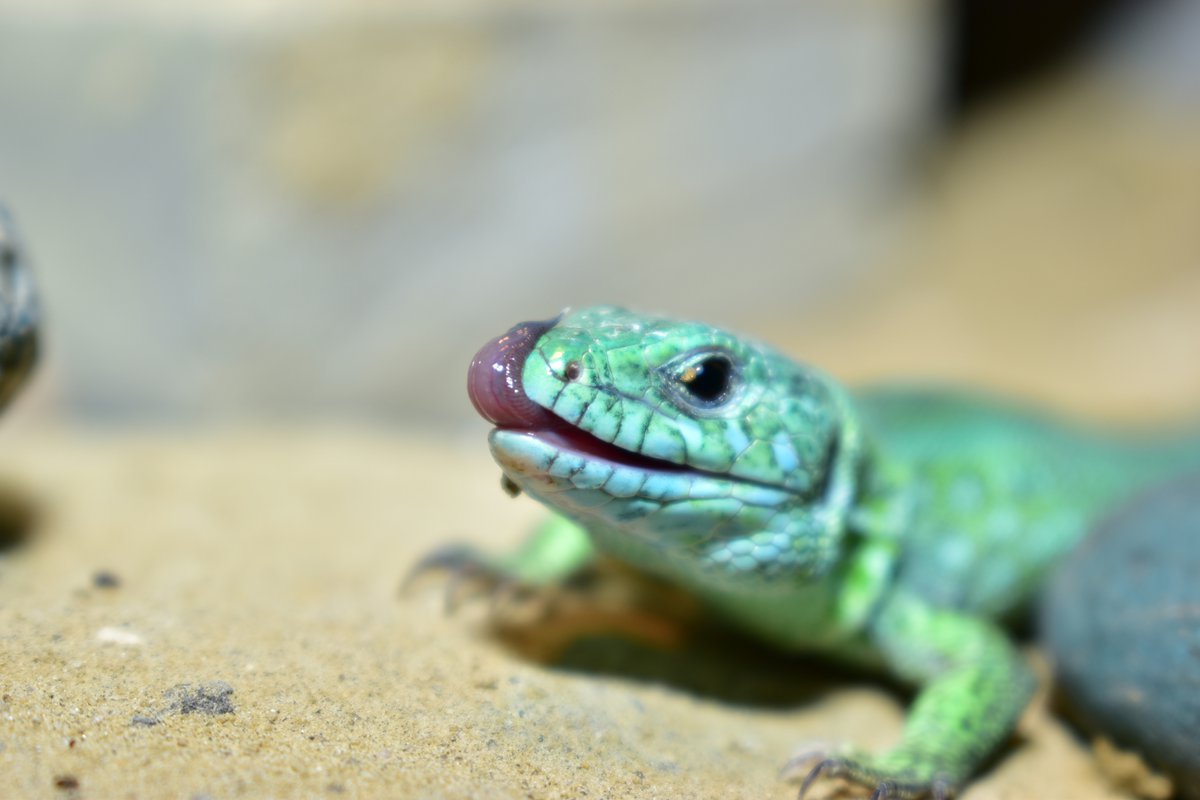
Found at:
[494, 379]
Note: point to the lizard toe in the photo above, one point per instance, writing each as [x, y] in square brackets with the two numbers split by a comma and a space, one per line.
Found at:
[859, 771]
[805, 756]
[466, 569]
[470, 574]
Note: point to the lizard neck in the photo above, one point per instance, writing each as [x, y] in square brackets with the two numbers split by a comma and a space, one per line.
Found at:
[827, 611]
[832, 612]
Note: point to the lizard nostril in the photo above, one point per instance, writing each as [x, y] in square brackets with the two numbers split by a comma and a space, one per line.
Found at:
[494, 377]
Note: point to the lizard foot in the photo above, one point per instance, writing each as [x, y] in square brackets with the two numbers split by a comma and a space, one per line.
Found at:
[470, 574]
[884, 781]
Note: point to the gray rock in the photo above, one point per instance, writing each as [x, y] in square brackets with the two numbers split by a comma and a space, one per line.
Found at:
[1121, 620]
[282, 214]
[19, 312]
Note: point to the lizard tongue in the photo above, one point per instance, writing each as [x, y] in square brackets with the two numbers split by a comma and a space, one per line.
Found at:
[494, 379]
[495, 388]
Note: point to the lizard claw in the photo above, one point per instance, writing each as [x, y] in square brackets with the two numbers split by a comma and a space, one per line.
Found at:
[467, 570]
[881, 785]
[831, 767]
[803, 757]
[882, 792]
[470, 574]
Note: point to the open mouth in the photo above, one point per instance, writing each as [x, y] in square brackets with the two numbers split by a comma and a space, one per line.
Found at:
[495, 387]
[563, 436]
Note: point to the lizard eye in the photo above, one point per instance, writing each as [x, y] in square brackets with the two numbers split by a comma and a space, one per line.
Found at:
[707, 382]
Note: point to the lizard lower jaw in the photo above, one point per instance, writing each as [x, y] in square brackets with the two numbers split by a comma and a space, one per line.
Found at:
[567, 439]
[578, 477]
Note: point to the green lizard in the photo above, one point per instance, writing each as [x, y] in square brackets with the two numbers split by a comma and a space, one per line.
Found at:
[895, 530]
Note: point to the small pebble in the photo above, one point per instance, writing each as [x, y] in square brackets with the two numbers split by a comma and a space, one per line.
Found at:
[67, 782]
[106, 580]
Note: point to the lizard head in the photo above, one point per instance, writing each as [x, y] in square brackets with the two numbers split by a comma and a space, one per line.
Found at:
[673, 442]
[18, 313]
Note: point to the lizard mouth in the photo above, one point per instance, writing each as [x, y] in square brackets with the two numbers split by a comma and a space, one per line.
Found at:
[564, 437]
[495, 388]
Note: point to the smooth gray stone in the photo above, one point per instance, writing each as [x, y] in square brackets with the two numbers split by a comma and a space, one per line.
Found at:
[1121, 620]
[243, 215]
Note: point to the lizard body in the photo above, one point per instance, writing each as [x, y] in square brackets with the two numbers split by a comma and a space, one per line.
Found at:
[895, 530]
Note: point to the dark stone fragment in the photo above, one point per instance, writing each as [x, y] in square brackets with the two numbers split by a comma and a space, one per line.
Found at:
[215, 697]
[105, 580]
[1121, 620]
[67, 782]
[19, 515]
[19, 312]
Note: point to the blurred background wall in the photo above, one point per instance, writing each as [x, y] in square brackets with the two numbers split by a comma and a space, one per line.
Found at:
[309, 211]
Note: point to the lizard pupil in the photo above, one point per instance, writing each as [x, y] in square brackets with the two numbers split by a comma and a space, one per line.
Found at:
[708, 381]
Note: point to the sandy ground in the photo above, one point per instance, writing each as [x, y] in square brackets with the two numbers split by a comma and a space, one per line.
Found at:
[218, 615]
[262, 572]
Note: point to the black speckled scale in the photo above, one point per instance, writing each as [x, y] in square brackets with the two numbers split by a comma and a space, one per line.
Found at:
[1121, 620]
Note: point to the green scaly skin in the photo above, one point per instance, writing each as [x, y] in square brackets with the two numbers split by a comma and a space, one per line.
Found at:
[893, 530]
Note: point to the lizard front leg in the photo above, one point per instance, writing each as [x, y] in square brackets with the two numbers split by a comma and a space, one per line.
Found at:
[555, 550]
[973, 687]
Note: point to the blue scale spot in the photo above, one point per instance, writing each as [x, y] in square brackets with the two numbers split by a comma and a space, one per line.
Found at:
[597, 416]
[564, 466]
[666, 486]
[662, 442]
[766, 554]
[757, 461]
[745, 563]
[593, 475]
[705, 489]
[767, 538]
[634, 417]
[785, 453]
[624, 482]
[741, 547]
[572, 402]
[955, 553]
[721, 556]
[530, 449]
[736, 438]
[692, 435]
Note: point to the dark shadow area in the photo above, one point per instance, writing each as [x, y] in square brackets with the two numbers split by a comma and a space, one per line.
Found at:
[720, 666]
[624, 625]
[993, 49]
[18, 518]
